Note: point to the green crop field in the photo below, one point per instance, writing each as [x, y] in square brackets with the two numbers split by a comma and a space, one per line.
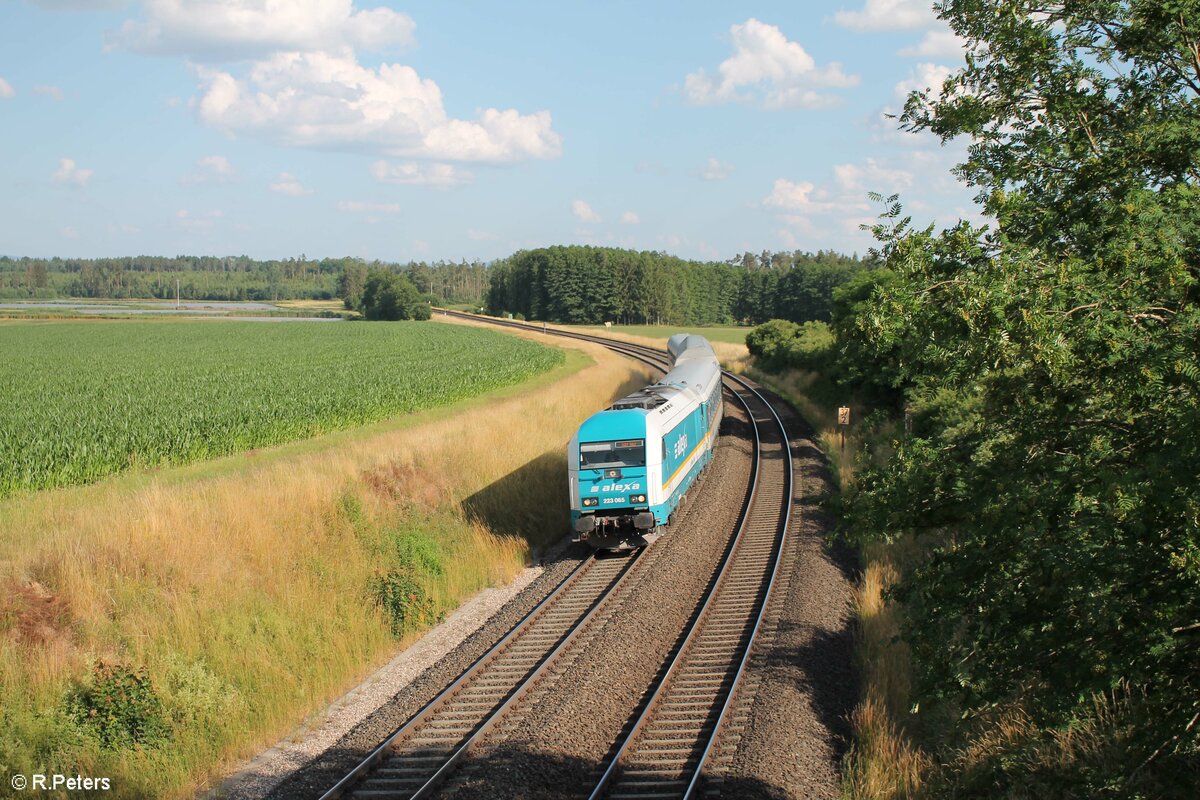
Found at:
[82, 400]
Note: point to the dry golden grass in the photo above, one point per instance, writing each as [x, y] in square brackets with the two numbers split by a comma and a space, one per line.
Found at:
[733, 357]
[241, 585]
[884, 763]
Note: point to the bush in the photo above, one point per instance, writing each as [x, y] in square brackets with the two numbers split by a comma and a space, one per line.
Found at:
[417, 552]
[120, 707]
[767, 341]
[780, 344]
[406, 602]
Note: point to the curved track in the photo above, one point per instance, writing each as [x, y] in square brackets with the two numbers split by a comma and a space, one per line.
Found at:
[666, 746]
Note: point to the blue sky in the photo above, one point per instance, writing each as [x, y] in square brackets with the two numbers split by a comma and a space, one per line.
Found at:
[427, 130]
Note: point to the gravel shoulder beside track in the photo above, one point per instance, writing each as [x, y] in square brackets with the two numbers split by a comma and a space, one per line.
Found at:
[316, 772]
[561, 740]
[273, 766]
[798, 726]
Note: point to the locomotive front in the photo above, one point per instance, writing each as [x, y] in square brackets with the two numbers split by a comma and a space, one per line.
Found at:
[610, 491]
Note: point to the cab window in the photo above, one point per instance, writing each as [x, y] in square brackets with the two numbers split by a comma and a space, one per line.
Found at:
[624, 453]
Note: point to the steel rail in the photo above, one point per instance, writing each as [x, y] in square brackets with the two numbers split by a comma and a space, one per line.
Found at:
[679, 661]
[789, 490]
[654, 358]
[430, 709]
[746, 644]
[376, 755]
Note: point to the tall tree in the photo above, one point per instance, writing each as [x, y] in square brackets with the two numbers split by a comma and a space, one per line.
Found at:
[1054, 364]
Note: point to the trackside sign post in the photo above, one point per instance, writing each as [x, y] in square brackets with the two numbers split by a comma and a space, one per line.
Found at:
[843, 423]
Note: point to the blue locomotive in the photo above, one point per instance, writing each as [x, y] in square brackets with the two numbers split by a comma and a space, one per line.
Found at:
[630, 465]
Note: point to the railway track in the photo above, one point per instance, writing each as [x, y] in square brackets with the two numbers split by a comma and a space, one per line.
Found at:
[666, 746]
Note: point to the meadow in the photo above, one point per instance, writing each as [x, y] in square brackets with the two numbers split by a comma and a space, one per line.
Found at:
[83, 400]
[204, 611]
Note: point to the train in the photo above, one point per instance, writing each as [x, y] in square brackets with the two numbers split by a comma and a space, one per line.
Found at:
[631, 465]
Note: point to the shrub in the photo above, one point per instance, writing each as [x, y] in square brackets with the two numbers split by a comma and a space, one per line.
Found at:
[407, 603]
[120, 706]
[417, 552]
[780, 344]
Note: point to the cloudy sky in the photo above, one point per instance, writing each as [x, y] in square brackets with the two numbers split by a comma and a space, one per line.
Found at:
[425, 130]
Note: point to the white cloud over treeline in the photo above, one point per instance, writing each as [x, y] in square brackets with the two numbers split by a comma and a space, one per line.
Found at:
[767, 70]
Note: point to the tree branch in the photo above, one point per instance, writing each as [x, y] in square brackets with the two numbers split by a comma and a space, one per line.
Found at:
[1080, 308]
[940, 284]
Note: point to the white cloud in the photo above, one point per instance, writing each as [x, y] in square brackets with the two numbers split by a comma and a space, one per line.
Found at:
[6, 90]
[411, 173]
[53, 92]
[584, 212]
[630, 218]
[223, 30]
[888, 15]
[71, 174]
[187, 220]
[69, 233]
[210, 169]
[936, 44]
[871, 175]
[805, 198]
[331, 101]
[923, 76]
[124, 228]
[787, 194]
[715, 170]
[774, 72]
[289, 184]
[364, 207]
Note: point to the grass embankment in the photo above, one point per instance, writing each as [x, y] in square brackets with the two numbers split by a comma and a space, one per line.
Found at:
[728, 343]
[884, 763]
[730, 334]
[158, 627]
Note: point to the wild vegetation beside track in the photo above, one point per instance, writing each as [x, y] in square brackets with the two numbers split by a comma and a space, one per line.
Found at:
[159, 626]
[1027, 486]
[728, 334]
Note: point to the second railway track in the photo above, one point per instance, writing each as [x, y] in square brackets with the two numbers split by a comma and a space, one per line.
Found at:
[666, 743]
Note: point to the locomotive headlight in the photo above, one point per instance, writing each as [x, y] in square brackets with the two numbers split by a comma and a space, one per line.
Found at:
[637, 498]
[591, 501]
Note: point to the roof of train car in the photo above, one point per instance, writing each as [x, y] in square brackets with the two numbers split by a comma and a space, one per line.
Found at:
[695, 362]
[612, 425]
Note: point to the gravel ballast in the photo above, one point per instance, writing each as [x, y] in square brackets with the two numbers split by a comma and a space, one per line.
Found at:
[791, 716]
[801, 683]
[307, 770]
[557, 747]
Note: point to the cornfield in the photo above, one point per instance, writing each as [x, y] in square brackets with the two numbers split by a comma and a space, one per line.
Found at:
[83, 400]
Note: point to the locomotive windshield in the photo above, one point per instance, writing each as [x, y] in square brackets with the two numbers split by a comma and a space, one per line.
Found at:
[599, 455]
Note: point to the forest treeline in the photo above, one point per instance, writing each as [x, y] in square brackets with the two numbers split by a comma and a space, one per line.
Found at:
[581, 284]
[225, 278]
[564, 284]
